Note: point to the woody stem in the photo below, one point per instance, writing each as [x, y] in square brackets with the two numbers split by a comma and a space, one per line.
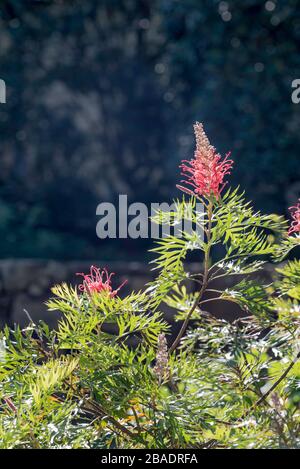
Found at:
[272, 388]
[204, 281]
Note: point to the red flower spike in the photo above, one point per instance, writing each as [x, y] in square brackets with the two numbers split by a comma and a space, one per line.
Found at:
[206, 171]
[295, 225]
[98, 281]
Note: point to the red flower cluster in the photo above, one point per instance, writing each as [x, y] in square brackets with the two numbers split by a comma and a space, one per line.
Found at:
[295, 225]
[206, 171]
[98, 281]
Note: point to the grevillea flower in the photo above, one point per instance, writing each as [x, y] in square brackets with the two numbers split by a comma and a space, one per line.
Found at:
[97, 281]
[206, 171]
[295, 225]
[161, 368]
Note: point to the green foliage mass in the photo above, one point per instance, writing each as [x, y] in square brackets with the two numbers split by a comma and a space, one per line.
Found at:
[104, 378]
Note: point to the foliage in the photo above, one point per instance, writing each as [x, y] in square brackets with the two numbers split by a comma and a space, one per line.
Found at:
[105, 378]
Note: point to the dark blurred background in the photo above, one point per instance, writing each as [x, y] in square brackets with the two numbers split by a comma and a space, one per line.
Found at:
[101, 98]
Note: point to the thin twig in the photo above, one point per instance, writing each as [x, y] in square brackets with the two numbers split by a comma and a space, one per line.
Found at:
[272, 388]
[203, 287]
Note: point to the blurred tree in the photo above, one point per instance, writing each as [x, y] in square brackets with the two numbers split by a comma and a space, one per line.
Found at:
[101, 97]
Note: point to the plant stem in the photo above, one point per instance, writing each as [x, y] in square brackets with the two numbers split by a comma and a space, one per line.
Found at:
[102, 413]
[204, 281]
[272, 388]
[93, 406]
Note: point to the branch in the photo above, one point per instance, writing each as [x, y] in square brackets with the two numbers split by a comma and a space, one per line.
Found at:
[203, 287]
[274, 386]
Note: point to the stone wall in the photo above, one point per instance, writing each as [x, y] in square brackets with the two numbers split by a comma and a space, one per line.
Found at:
[26, 284]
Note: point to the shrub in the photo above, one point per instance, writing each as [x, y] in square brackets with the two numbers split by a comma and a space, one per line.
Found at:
[218, 384]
